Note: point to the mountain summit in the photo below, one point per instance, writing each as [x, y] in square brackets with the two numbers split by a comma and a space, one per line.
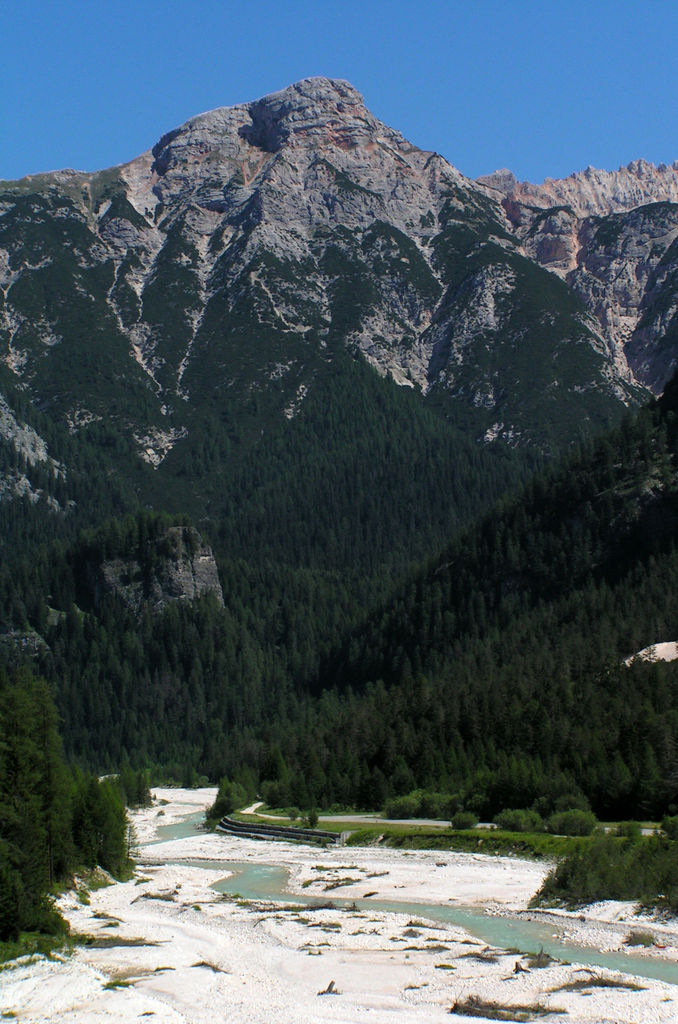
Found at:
[228, 264]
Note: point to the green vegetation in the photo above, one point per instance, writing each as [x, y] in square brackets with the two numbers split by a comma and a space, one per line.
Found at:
[572, 823]
[490, 1009]
[598, 981]
[33, 944]
[670, 826]
[52, 820]
[491, 679]
[401, 629]
[420, 804]
[520, 820]
[608, 867]
[463, 820]
[640, 938]
[494, 842]
[230, 796]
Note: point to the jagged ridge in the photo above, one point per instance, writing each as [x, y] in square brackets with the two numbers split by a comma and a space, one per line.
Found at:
[233, 258]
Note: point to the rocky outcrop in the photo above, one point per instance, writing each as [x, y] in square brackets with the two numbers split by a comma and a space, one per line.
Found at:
[24, 439]
[178, 567]
[610, 236]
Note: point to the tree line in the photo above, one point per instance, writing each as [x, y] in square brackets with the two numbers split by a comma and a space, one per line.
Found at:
[54, 819]
[494, 673]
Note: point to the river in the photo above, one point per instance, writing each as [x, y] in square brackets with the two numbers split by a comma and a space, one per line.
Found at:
[270, 882]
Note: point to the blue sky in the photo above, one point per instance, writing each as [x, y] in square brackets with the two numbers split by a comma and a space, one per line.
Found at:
[543, 88]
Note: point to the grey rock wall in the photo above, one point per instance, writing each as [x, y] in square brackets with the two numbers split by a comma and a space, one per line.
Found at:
[180, 568]
[229, 260]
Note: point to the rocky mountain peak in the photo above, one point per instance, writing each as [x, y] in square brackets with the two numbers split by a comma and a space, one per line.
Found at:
[309, 113]
[220, 157]
[230, 263]
[612, 236]
[503, 180]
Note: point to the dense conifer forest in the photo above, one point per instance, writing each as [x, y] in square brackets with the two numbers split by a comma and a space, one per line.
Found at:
[53, 819]
[493, 674]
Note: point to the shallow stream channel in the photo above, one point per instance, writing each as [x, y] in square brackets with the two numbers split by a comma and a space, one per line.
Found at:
[270, 883]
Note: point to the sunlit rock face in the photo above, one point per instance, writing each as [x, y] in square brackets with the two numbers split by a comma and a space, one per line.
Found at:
[611, 236]
[222, 270]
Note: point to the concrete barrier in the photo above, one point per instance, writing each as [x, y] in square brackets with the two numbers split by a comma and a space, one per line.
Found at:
[288, 832]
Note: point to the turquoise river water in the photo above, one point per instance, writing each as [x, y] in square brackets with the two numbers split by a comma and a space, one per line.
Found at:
[270, 882]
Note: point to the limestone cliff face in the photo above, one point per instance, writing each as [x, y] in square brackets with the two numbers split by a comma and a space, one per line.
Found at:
[179, 568]
[222, 268]
[611, 236]
[260, 192]
[593, 192]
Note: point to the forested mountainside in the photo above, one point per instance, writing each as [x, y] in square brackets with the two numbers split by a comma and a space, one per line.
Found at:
[183, 309]
[496, 674]
[270, 398]
[365, 478]
[193, 332]
[508, 651]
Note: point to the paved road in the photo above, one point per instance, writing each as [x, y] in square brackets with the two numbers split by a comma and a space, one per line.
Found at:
[363, 819]
[374, 819]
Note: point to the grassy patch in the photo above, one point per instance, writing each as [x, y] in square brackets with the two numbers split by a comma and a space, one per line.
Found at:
[483, 956]
[108, 921]
[598, 981]
[110, 941]
[496, 842]
[639, 938]
[340, 882]
[488, 1009]
[164, 897]
[33, 944]
[96, 879]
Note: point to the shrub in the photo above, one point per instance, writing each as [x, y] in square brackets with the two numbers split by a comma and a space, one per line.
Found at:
[628, 830]
[609, 868]
[564, 800]
[638, 938]
[230, 796]
[572, 823]
[419, 804]
[463, 820]
[519, 820]
[670, 827]
[402, 807]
